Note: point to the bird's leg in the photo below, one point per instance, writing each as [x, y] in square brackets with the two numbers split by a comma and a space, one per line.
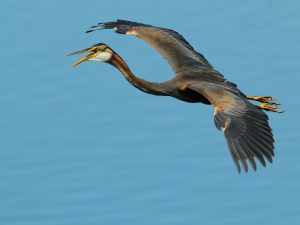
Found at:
[268, 107]
[268, 103]
[261, 98]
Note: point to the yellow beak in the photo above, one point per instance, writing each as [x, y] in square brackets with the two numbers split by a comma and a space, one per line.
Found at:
[84, 58]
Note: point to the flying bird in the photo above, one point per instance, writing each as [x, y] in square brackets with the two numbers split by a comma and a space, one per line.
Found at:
[245, 125]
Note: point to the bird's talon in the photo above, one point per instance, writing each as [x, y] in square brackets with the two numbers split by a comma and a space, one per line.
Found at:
[272, 104]
[268, 98]
[264, 99]
[268, 107]
[268, 103]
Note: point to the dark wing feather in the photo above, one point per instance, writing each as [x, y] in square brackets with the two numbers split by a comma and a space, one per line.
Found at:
[174, 48]
[245, 126]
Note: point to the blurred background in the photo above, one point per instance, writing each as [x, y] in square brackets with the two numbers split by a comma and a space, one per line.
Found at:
[81, 146]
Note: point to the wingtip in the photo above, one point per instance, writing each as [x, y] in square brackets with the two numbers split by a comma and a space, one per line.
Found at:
[238, 167]
[99, 26]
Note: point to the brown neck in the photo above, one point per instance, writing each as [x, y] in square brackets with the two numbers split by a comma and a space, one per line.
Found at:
[143, 85]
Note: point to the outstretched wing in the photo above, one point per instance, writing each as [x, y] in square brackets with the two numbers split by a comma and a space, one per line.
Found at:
[245, 126]
[174, 48]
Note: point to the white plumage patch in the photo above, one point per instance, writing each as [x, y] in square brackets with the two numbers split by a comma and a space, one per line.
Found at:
[101, 56]
[132, 32]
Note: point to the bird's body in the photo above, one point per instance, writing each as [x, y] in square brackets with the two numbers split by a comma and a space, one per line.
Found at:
[245, 125]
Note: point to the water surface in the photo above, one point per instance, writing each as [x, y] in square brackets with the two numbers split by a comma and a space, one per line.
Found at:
[81, 146]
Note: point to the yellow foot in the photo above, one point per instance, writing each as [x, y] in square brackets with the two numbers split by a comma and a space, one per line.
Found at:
[261, 98]
[268, 107]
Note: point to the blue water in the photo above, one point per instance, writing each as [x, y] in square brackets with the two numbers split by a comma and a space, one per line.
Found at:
[81, 146]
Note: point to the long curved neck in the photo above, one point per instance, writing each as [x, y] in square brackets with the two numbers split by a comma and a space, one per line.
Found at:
[143, 85]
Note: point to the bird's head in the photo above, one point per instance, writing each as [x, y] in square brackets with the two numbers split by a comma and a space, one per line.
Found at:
[98, 52]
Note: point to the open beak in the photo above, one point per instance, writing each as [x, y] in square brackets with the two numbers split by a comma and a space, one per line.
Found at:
[84, 58]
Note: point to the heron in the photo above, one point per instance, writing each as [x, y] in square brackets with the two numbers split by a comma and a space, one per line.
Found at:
[245, 125]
